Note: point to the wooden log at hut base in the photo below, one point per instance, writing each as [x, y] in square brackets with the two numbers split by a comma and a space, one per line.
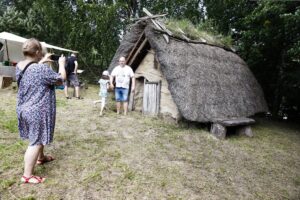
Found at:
[242, 125]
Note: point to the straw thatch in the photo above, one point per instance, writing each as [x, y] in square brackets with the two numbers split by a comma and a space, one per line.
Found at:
[128, 42]
[206, 82]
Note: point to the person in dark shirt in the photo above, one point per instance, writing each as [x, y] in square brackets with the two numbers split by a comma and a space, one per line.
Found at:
[71, 70]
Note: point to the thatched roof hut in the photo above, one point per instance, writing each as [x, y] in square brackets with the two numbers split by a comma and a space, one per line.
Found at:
[203, 81]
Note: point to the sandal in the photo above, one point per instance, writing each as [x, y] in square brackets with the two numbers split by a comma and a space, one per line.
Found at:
[68, 97]
[32, 179]
[45, 160]
[79, 98]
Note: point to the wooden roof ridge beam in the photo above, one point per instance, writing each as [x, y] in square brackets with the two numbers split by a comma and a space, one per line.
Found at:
[158, 25]
[196, 41]
[148, 17]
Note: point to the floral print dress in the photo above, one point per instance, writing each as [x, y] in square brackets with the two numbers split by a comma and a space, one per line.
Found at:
[36, 104]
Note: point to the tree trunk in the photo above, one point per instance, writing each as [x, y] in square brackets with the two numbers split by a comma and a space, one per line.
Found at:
[278, 93]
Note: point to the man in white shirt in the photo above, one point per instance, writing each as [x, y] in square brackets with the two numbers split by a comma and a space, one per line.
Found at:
[123, 74]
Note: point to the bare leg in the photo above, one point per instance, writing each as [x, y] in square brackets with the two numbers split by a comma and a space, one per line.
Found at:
[102, 106]
[30, 158]
[118, 107]
[77, 91]
[66, 91]
[125, 107]
[41, 155]
[97, 101]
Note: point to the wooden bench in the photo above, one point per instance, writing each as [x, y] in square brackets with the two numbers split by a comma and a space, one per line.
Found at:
[5, 81]
[242, 127]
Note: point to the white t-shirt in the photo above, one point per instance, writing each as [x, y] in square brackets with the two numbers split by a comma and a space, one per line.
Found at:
[103, 85]
[123, 75]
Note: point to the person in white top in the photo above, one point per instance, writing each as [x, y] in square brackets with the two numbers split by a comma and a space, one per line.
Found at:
[104, 85]
[122, 75]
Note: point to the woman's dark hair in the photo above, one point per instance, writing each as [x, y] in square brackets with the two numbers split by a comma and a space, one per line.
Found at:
[105, 77]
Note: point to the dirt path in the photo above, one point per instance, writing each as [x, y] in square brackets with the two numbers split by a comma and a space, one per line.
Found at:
[136, 157]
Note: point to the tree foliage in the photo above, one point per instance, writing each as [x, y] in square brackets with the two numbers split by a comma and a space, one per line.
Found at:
[267, 36]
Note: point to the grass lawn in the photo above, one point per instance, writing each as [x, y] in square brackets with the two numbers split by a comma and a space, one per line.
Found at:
[137, 157]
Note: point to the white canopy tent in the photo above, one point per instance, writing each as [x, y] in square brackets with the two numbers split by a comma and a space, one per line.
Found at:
[12, 47]
[11, 51]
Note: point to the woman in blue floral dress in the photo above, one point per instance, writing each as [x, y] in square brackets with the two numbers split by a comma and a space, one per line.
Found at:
[36, 106]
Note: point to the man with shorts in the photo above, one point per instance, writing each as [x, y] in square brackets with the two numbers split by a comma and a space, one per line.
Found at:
[122, 74]
[71, 70]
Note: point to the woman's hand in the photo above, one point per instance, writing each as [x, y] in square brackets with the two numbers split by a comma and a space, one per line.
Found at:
[61, 64]
[62, 60]
[112, 86]
[46, 58]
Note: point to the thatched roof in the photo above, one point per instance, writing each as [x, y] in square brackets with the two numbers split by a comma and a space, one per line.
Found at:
[206, 81]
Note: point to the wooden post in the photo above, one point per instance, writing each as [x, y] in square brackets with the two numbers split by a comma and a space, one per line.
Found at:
[5, 81]
[158, 97]
[7, 50]
[144, 97]
[131, 101]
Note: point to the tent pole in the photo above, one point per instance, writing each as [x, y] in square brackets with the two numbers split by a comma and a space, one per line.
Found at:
[7, 50]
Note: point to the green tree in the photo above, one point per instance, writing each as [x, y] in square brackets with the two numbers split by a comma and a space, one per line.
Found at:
[267, 36]
[95, 33]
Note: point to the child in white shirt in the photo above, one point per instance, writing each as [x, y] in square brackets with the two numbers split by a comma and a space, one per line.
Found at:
[104, 85]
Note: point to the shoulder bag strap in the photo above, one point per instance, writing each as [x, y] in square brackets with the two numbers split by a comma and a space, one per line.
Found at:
[22, 72]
